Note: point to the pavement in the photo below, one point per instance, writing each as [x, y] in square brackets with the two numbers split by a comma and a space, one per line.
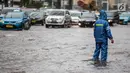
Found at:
[61, 50]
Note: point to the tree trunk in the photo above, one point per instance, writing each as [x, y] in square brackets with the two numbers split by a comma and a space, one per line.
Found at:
[6, 3]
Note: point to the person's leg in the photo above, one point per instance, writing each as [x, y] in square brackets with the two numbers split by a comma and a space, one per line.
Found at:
[104, 52]
[96, 54]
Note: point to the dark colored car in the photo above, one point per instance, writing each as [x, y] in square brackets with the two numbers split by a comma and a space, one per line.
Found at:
[112, 17]
[29, 10]
[87, 20]
[37, 18]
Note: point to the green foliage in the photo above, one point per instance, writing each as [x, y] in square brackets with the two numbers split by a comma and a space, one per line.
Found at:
[34, 5]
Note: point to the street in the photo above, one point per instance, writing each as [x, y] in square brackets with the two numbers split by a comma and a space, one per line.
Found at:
[61, 50]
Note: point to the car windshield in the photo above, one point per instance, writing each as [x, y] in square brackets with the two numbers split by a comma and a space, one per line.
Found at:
[14, 15]
[110, 14]
[28, 11]
[58, 13]
[75, 14]
[125, 14]
[89, 15]
[35, 14]
[5, 11]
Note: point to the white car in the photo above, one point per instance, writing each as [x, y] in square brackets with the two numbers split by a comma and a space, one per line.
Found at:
[75, 17]
[58, 17]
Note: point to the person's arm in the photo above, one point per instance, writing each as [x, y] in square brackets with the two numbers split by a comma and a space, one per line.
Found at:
[108, 31]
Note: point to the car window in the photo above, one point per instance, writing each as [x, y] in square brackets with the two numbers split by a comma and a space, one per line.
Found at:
[75, 14]
[125, 14]
[58, 13]
[89, 15]
[14, 15]
[110, 14]
[36, 14]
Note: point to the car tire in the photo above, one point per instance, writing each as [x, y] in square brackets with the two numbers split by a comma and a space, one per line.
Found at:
[42, 23]
[26, 26]
[47, 26]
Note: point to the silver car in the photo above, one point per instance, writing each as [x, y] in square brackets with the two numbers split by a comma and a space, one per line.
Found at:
[58, 17]
[75, 17]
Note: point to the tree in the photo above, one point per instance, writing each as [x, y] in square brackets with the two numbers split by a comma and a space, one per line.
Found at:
[25, 2]
[6, 3]
[87, 4]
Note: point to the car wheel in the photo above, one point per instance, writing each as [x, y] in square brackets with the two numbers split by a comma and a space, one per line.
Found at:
[42, 23]
[26, 26]
[47, 26]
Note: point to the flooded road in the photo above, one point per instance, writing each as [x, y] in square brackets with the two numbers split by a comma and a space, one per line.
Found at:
[61, 50]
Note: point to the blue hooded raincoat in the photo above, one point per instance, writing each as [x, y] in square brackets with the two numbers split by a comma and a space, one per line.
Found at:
[101, 34]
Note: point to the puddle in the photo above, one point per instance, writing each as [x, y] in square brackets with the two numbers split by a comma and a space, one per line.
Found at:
[2, 36]
[31, 39]
[9, 35]
[19, 72]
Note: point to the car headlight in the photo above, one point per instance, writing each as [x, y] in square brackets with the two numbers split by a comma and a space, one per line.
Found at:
[79, 24]
[109, 20]
[94, 20]
[59, 20]
[1, 21]
[49, 20]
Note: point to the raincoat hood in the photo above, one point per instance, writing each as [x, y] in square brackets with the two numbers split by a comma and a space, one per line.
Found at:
[103, 15]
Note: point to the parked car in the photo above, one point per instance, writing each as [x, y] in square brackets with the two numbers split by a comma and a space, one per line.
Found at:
[112, 17]
[75, 17]
[37, 18]
[15, 21]
[58, 17]
[124, 18]
[87, 20]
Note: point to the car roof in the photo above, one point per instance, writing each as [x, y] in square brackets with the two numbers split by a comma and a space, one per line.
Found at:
[17, 12]
[56, 9]
[74, 11]
[11, 8]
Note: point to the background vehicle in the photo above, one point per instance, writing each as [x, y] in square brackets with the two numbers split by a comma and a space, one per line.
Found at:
[58, 17]
[37, 17]
[75, 17]
[112, 17]
[87, 20]
[15, 20]
[29, 10]
[124, 18]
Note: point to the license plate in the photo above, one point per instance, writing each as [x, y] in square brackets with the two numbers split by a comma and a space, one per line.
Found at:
[33, 21]
[9, 26]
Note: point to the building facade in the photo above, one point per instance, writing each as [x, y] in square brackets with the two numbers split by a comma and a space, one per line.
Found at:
[112, 4]
[72, 4]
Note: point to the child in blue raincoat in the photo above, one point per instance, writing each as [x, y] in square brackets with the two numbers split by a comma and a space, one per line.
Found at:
[101, 34]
